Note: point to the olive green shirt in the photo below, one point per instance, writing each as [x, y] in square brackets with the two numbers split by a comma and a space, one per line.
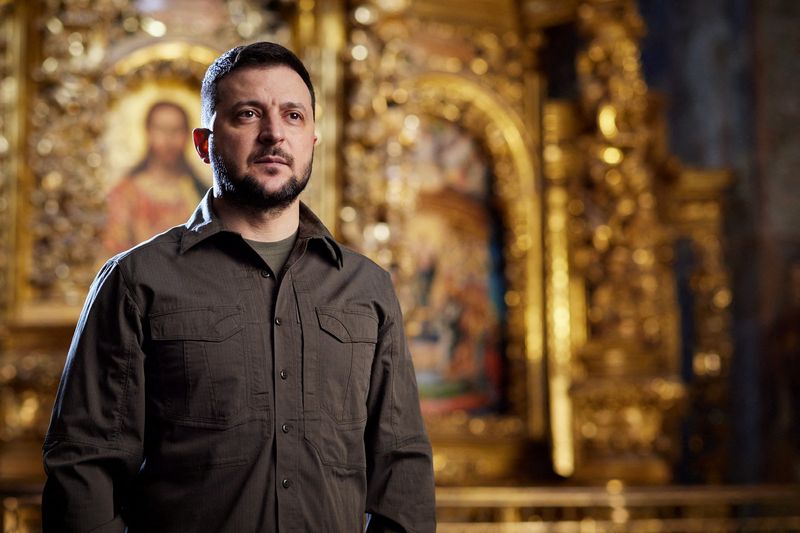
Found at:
[274, 253]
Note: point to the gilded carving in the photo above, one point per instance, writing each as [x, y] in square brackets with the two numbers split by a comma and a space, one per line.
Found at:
[695, 209]
[564, 294]
[27, 382]
[401, 86]
[622, 249]
[616, 507]
[9, 92]
[624, 243]
[320, 39]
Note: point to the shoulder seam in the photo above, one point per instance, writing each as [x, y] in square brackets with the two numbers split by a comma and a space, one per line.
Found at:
[128, 291]
[122, 407]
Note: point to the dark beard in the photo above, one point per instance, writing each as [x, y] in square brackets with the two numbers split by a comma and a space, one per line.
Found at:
[248, 194]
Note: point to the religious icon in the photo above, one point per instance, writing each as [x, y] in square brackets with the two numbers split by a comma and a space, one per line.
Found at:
[454, 305]
[162, 189]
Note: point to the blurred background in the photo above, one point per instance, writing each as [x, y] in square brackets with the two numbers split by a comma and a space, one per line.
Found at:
[590, 209]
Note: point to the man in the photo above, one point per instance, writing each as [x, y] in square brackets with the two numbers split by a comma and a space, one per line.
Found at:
[242, 372]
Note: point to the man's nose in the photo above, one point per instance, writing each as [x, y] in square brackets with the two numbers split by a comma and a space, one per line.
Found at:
[271, 129]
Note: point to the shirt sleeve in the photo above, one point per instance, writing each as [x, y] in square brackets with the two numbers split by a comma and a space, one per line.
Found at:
[400, 485]
[93, 448]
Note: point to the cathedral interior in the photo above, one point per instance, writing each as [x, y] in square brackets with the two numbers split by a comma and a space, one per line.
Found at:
[590, 209]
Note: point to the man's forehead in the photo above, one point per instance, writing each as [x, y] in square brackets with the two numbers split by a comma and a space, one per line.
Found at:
[273, 80]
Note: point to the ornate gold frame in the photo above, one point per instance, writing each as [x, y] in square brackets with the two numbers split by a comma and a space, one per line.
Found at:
[492, 100]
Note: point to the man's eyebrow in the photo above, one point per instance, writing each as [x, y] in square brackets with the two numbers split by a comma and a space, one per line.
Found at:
[251, 103]
[293, 105]
[257, 103]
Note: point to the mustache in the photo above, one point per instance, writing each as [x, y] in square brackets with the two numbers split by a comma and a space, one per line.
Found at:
[274, 152]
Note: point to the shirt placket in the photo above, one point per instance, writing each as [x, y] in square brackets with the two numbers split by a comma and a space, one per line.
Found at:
[287, 379]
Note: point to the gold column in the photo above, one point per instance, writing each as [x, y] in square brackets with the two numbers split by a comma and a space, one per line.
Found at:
[625, 387]
[562, 164]
[695, 210]
[12, 35]
[320, 35]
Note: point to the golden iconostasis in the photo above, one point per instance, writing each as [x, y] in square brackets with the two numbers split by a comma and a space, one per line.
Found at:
[532, 232]
[530, 239]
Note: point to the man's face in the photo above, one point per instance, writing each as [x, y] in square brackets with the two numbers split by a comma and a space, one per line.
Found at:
[263, 139]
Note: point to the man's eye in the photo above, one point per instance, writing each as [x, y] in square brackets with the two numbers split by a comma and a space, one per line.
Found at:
[247, 113]
[295, 116]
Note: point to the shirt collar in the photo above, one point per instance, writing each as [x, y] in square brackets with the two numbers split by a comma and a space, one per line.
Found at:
[204, 223]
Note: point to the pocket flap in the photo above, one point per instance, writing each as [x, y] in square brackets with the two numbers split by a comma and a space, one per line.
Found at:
[206, 324]
[348, 326]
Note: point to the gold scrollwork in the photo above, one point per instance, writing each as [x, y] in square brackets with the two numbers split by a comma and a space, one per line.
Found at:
[695, 209]
[472, 78]
[27, 383]
[623, 250]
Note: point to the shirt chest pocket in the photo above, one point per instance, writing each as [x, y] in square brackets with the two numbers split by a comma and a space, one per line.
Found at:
[346, 349]
[198, 366]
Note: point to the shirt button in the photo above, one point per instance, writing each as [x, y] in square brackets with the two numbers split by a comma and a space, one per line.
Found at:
[285, 428]
[286, 483]
[284, 374]
[277, 321]
[265, 274]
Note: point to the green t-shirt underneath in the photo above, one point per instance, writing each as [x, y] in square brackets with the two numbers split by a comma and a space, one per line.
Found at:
[275, 253]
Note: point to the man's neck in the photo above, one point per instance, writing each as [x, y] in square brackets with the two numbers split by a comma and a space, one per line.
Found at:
[259, 225]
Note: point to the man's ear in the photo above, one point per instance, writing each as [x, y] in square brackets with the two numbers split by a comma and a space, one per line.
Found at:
[200, 137]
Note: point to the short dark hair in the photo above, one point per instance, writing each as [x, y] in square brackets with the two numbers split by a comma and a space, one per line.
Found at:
[260, 54]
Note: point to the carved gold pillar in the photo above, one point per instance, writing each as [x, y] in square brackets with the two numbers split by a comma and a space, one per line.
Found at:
[695, 210]
[625, 388]
[566, 331]
[11, 38]
[320, 37]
